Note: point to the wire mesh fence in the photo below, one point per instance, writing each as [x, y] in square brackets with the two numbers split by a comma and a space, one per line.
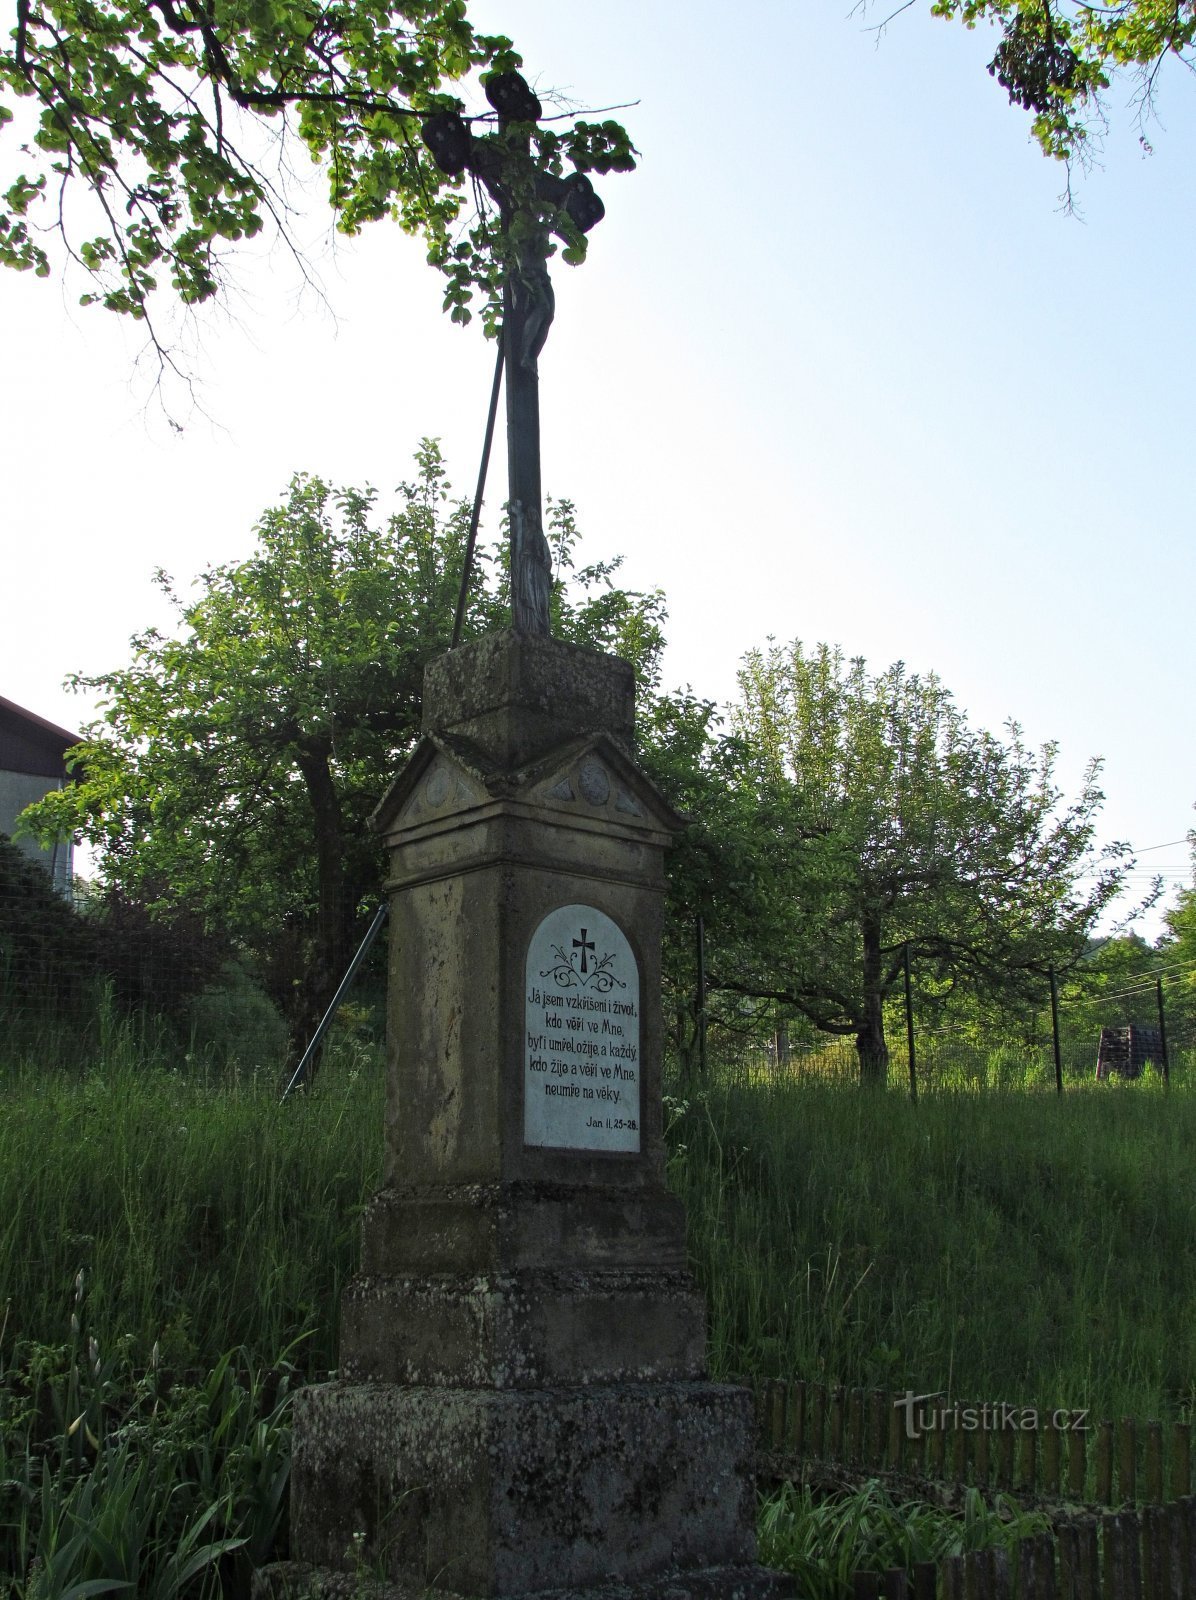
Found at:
[1133, 1018]
[76, 968]
[73, 966]
[84, 970]
[988, 1053]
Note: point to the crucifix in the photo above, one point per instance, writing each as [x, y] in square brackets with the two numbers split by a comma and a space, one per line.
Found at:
[532, 203]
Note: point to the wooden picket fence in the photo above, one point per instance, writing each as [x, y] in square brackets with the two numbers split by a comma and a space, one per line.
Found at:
[1062, 1456]
[1147, 1554]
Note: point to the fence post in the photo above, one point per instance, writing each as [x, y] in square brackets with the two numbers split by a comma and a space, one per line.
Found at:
[1069, 1562]
[1154, 1463]
[1077, 1464]
[1158, 983]
[1055, 1033]
[894, 1584]
[1127, 1459]
[1052, 1459]
[909, 1026]
[836, 1451]
[855, 1427]
[1104, 1462]
[877, 1431]
[1181, 1460]
[925, 1580]
[951, 1577]
[1154, 1554]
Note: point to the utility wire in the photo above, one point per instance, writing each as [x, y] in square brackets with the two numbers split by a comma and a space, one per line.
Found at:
[1146, 986]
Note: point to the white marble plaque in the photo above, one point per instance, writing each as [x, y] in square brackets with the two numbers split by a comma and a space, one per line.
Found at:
[581, 1081]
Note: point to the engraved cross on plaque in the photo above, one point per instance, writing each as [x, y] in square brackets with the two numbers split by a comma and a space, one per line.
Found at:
[583, 944]
[530, 203]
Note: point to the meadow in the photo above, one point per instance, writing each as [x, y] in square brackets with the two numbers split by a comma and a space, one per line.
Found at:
[173, 1243]
[994, 1244]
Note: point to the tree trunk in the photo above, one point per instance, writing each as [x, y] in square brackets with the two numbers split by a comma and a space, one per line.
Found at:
[330, 951]
[870, 1036]
[685, 1035]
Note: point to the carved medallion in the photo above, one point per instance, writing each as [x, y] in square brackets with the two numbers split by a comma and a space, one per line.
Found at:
[594, 783]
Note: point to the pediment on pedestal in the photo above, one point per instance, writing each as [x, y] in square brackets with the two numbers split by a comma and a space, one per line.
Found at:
[436, 782]
[594, 777]
[589, 778]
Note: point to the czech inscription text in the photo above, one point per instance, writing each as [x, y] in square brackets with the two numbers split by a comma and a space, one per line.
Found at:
[582, 1045]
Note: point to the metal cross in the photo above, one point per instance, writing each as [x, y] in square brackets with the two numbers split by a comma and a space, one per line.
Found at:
[504, 164]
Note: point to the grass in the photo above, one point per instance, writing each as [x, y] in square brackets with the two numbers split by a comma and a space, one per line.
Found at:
[996, 1245]
[204, 1214]
[822, 1541]
[171, 1255]
[115, 1479]
[173, 1244]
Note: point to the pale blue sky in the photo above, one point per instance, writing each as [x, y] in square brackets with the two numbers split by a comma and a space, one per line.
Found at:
[837, 368]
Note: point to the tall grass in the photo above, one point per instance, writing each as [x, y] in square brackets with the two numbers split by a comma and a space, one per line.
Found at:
[950, 1060]
[993, 1245]
[204, 1214]
[156, 1215]
[172, 1247]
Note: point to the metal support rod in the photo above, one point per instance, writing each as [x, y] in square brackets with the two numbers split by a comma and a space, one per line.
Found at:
[700, 930]
[1158, 984]
[909, 1025]
[342, 990]
[1055, 1033]
[467, 568]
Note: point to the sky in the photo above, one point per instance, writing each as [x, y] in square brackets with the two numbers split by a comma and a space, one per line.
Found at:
[839, 367]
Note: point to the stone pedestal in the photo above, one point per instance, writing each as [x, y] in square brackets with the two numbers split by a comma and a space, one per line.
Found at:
[523, 1406]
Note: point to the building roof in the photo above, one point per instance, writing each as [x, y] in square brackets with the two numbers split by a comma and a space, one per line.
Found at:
[29, 743]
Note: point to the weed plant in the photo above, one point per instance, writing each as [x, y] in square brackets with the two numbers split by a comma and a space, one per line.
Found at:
[822, 1541]
[115, 1479]
[993, 1246]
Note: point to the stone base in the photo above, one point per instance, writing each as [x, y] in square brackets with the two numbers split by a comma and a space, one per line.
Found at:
[294, 1580]
[523, 1330]
[492, 1493]
[504, 1227]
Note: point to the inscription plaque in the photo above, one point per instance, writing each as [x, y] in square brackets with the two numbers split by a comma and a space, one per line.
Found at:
[581, 1081]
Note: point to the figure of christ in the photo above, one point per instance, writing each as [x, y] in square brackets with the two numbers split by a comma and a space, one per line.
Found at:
[524, 193]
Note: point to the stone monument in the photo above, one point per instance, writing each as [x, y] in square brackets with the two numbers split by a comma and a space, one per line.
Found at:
[523, 1406]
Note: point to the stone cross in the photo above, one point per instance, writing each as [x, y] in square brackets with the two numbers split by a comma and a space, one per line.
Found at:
[523, 1409]
[528, 198]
